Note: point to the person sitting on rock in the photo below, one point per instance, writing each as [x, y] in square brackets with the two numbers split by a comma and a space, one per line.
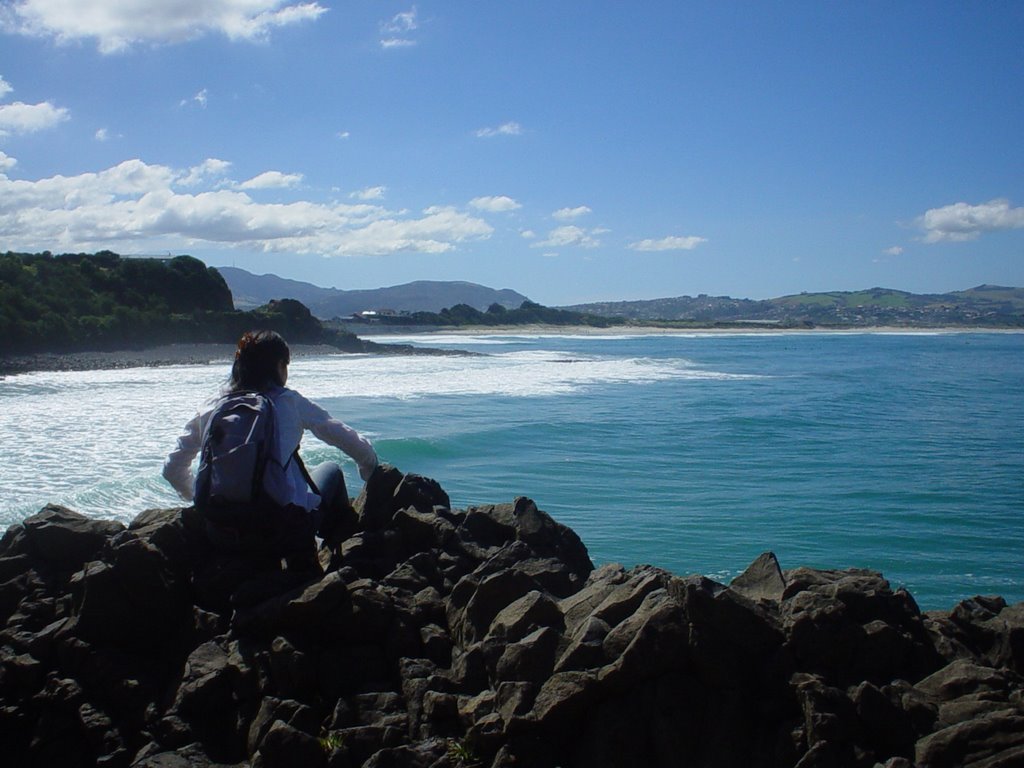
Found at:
[302, 503]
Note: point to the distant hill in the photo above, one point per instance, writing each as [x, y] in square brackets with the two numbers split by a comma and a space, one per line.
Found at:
[985, 305]
[251, 290]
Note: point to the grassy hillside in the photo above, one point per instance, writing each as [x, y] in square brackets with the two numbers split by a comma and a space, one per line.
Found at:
[983, 306]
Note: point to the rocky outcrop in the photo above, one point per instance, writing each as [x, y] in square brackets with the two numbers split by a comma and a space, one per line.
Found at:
[479, 637]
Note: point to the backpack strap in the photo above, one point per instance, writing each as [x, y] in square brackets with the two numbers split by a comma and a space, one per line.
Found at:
[305, 472]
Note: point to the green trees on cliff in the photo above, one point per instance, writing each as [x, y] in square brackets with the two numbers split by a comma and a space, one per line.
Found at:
[100, 301]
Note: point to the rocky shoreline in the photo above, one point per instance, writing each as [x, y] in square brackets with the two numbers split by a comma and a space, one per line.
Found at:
[174, 354]
[166, 354]
[438, 638]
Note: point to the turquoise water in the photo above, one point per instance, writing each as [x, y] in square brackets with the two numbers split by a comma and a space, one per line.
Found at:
[902, 453]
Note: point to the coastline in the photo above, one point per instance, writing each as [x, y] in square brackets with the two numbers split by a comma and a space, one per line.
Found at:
[655, 330]
[208, 354]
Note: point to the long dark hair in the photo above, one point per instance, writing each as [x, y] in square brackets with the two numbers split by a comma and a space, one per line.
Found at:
[257, 359]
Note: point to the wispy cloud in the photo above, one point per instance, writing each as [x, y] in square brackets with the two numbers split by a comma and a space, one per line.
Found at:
[570, 235]
[495, 204]
[136, 206]
[894, 250]
[5, 87]
[402, 23]
[963, 221]
[505, 129]
[568, 214]
[369, 193]
[397, 30]
[116, 25]
[7, 162]
[200, 99]
[668, 244]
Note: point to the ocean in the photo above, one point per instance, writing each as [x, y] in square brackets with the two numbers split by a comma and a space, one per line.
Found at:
[902, 453]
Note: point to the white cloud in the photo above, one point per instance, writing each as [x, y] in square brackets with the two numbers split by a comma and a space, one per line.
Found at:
[568, 214]
[505, 129]
[343, 134]
[396, 42]
[495, 203]
[206, 170]
[528, 234]
[5, 87]
[668, 244]
[29, 118]
[272, 180]
[102, 134]
[369, 193]
[962, 221]
[7, 162]
[569, 235]
[119, 24]
[439, 229]
[134, 206]
[895, 250]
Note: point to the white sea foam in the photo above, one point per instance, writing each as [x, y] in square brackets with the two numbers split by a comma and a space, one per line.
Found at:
[443, 339]
[515, 374]
[97, 439]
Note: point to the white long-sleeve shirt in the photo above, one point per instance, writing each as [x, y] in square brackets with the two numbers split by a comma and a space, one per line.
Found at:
[295, 414]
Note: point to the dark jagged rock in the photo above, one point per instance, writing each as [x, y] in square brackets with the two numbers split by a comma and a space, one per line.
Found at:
[442, 638]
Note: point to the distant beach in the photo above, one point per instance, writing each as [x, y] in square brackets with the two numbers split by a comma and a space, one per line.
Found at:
[650, 330]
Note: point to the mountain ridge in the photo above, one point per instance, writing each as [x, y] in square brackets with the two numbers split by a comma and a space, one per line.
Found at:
[982, 305]
[250, 289]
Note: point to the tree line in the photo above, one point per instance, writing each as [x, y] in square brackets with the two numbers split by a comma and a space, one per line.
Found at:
[528, 313]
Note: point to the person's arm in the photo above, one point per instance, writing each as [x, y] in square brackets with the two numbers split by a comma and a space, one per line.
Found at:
[340, 435]
[178, 466]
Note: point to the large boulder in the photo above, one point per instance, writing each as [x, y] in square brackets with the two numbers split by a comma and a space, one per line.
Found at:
[66, 539]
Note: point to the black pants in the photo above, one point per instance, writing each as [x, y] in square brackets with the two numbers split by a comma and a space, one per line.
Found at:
[334, 501]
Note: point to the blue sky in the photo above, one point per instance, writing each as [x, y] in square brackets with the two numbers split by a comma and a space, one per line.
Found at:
[573, 152]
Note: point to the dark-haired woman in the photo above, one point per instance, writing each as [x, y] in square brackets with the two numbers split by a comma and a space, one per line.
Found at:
[261, 364]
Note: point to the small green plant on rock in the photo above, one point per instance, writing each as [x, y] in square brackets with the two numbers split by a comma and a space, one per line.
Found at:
[330, 741]
[461, 751]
